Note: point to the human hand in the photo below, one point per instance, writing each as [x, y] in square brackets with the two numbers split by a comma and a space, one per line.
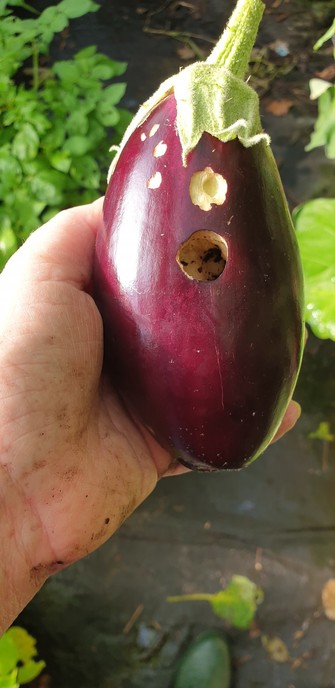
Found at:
[73, 465]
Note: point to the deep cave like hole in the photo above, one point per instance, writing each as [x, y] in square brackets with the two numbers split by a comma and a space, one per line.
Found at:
[203, 256]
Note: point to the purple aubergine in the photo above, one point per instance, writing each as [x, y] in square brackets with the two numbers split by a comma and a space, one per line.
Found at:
[199, 283]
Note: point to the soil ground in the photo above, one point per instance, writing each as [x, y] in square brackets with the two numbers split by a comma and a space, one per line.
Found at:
[105, 622]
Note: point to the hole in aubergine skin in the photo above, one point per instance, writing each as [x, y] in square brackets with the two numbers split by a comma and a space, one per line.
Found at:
[207, 188]
[203, 256]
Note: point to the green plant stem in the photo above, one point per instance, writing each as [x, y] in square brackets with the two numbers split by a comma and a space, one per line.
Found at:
[29, 8]
[36, 81]
[196, 596]
[234, 48]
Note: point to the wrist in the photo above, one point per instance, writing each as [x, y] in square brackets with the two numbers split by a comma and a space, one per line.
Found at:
[21, 540]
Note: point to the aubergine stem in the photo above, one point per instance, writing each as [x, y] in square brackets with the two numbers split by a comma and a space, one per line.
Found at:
[212, 95]
[233, 49]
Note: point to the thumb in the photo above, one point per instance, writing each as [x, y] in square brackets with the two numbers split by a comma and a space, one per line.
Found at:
[61, 250]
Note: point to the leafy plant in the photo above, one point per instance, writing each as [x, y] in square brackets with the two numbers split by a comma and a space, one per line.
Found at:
[322, 433]
[324, 92]
[54, 121]
[237, 603]
[315, 225]
[18, 664]
[315, 219]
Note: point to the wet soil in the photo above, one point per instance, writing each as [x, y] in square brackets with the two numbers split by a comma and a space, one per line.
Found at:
[105, 622]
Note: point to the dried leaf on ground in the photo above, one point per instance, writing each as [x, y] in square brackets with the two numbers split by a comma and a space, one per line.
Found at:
[276, 648]
[279, 107]
[328, 73]
[328, 599]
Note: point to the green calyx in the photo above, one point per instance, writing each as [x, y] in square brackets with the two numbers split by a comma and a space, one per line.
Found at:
[212, 96]
[211, 99]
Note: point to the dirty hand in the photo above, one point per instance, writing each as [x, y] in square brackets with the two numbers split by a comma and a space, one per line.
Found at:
[73, 465]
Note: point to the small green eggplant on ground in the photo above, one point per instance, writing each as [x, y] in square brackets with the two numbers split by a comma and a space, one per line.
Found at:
[197, 271]
[205, 664]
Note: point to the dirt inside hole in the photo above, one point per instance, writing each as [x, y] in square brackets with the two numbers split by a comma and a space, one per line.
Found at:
[203, 256]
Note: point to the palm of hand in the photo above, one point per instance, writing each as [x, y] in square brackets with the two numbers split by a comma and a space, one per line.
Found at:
[75, 461]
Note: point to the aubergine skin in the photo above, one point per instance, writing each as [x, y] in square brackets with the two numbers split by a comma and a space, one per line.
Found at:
[208, 366]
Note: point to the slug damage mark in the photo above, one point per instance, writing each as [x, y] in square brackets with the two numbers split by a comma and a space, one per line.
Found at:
[207, 188]
[153, 130]
[160, 149]
[155, 181]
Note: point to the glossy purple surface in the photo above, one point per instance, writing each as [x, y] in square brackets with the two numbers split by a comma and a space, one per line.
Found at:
[208, 366]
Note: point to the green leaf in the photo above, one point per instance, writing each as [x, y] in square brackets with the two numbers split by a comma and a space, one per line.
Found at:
[26, 143]
[9, 654]
[89, 51]
[119, 68]
[33, 167]
[77, 123]
[26, 211]
[102, 72]
[24, 642]
[66, 70]
[107, 114]
[324, 129]
[29, 671]
[9, 681]
[86, 172]
[53, 19]
[8, 246]
[96, 134]
[77, 145]
[74, 9]
[67, 105]
[315, 227]
[113, 94]
[55, 137]
[322, 433]
[17, 645]
[115, 68]
[10, 169]
[238, 603]
[48, 186]
[41, 123]
[61, 161]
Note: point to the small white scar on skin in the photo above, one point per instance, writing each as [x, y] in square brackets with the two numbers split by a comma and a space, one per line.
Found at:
[160, 149]
[155, 181]
[153, 130]
[143, 136]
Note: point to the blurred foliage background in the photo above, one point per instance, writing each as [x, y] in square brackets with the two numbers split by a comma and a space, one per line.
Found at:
[57, 120]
